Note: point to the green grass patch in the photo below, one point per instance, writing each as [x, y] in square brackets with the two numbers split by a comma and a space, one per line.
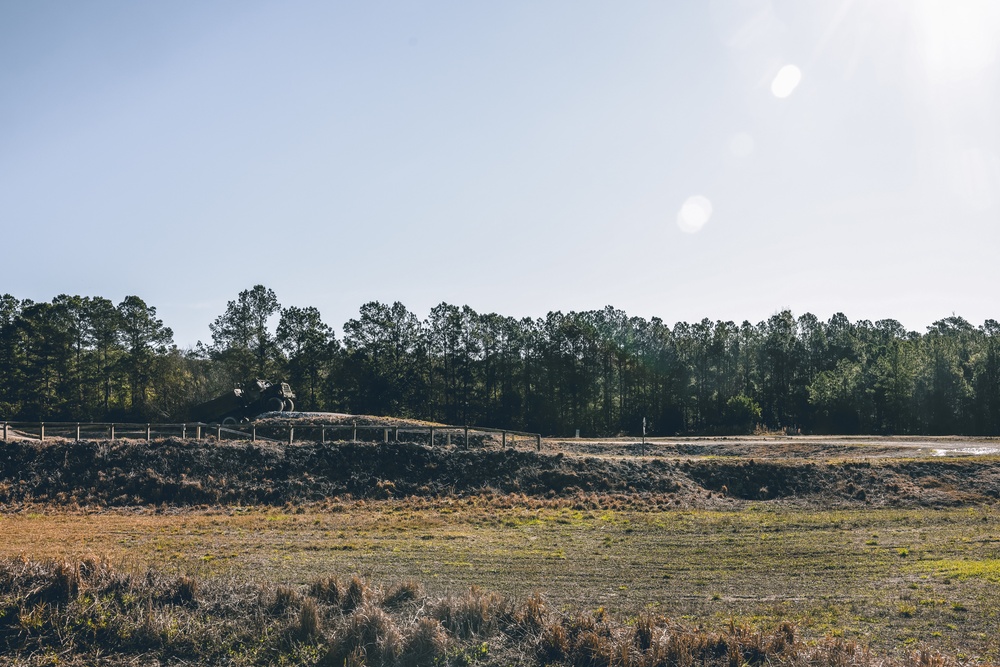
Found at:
[986, 569]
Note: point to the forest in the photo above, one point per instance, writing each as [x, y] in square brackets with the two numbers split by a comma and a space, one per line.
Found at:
[602, 371]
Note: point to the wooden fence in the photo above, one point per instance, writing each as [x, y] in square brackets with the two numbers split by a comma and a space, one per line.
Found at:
[289, 432]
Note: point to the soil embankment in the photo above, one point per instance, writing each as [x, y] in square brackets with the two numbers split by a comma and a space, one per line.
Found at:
[188, 472]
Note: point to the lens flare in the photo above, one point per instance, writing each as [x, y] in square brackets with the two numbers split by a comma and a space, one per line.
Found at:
[786, 81]
[694, 213]
[958, 38]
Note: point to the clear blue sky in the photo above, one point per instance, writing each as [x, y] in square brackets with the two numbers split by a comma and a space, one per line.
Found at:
[518, 157]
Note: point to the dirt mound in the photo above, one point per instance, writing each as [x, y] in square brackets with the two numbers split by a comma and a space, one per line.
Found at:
[341, 419]
[881, 481]
[194, 472]
[187, 472]
[368, 428]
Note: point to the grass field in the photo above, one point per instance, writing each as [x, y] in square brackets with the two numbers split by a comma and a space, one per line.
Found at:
[893, 543]
[896, 579]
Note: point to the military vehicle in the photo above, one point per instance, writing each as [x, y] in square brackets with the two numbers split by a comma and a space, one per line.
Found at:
[245, 402]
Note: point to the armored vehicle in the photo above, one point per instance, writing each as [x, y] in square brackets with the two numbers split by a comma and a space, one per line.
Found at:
[245, 402]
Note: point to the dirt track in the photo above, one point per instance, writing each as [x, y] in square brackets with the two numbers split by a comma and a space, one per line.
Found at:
[781, 447]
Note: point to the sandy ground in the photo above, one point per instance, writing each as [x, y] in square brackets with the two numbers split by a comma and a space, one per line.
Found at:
[799, 446]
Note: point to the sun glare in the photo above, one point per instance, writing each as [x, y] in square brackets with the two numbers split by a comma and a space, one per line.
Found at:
[957, 37]
[694, 213]
[786, 81]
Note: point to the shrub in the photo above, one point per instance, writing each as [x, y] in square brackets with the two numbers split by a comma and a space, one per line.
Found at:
[741, 413]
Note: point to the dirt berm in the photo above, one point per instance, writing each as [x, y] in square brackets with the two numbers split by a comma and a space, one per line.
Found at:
[188, 472]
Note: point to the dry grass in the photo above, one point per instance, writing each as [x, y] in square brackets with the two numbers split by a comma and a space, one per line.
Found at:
[65, 612]
[831, 573]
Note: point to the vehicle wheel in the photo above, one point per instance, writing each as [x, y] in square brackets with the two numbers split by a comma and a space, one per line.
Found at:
[229, 421]
[289, 405]
[274, 404]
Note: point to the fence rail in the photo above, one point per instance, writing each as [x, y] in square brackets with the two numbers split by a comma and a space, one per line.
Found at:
[268, 432]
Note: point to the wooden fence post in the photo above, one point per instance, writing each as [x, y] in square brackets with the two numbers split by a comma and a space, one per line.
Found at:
[538, 441]
[448, 438]
[354, 437]
[218, 432]
[41, 432]
[78, 431]
[253, 433]
[112, 432]
[184, 431]
[385, 435]
[432, 436]
[148, 433]
[395, 433]
[291, 434]
[466, 437]
[197, 432]
[504, 440]
[322, 435]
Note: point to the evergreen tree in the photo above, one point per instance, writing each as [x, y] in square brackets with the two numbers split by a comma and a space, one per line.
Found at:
[310, 347]
[145, 343]
[241, 338]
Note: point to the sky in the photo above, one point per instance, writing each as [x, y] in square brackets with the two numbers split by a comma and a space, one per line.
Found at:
[682, 159]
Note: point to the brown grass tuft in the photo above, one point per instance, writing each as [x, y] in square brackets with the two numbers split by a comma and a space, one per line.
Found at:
[425, 644]
[532, 614]
[471, 614]
[285, 598]
[184, 591]
[330, 590]
[370, 638]
[591, 649]
[308, 625]
[356, 595]
[66, 582]
[642, 633]
[553, 644]
[400, 594]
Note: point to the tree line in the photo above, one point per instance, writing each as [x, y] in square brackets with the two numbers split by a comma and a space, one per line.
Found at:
[602, 371]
